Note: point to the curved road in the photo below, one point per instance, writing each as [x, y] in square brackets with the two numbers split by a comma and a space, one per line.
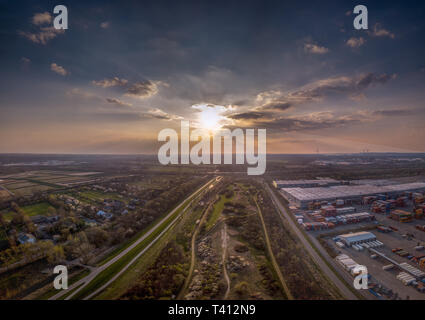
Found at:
[80, 284]
[315, 256]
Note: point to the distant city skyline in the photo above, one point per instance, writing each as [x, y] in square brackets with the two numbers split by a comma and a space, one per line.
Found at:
[124, 71]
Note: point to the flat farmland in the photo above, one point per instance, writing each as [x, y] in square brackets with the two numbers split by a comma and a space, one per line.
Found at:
[27, 183]
[100, 196]
[31, 190]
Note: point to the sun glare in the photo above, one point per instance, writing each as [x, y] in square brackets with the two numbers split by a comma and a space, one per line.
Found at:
[210, 117]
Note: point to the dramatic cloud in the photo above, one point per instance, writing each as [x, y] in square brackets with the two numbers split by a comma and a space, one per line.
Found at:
[44, 35]
[378, 31]
[272, 103]
[318, 90]
[58, 69]
[104, 25]
[114, 82]
[118, 102]
[143, 89]
[355, 42]
[338, 85]
[41, 18]
[315, 49]
[308, 122]
[276, 123]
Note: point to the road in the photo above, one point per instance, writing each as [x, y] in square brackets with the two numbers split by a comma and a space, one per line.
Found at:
[82, 283]
[315, 256]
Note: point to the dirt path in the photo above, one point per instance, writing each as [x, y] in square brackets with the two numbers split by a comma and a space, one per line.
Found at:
[272, 258]
[193, 253]
[224, 247]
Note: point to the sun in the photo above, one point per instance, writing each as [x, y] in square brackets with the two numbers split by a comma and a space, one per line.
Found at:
[209, 117]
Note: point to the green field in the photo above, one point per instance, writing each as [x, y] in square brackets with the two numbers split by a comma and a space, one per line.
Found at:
[218, 208]
[40, 181]
[38, 209]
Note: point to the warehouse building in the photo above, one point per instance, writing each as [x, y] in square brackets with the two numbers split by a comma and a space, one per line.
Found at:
[356, 238]
[301, 197]
[322, 182]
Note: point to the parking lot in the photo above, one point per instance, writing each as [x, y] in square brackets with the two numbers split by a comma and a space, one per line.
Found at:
[403, 236]
[374, 266]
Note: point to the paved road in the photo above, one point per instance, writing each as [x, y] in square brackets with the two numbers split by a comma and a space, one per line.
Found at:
[80, 284]
[316, 258]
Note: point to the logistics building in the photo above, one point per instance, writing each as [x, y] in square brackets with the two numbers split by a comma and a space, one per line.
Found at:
[306, 183]
[356, 238]
[301, 197]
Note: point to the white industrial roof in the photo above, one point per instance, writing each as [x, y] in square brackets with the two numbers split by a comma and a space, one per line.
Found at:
[358, 236]
[344, 191]
[323, 181]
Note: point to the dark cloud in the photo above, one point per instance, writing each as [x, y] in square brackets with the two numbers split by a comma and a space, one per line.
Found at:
[321, 89]
[314, 121]
[293, 124]
[370, 79]
[277, 105]
[340, 85]
[118, 102]
[247, 115]
[394, 112]
[143, 89]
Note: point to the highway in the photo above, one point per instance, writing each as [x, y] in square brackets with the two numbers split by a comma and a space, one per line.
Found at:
[346, 292]
[82, 283]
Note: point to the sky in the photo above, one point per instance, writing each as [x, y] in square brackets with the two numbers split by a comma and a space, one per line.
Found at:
[125, 70]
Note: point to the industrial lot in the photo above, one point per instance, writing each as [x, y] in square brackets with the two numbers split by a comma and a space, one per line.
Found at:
[375, 223]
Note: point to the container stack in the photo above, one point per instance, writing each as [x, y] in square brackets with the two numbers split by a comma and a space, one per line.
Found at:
[406, 278]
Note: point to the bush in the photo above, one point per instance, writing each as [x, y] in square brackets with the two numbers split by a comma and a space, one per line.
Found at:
[241, 288]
